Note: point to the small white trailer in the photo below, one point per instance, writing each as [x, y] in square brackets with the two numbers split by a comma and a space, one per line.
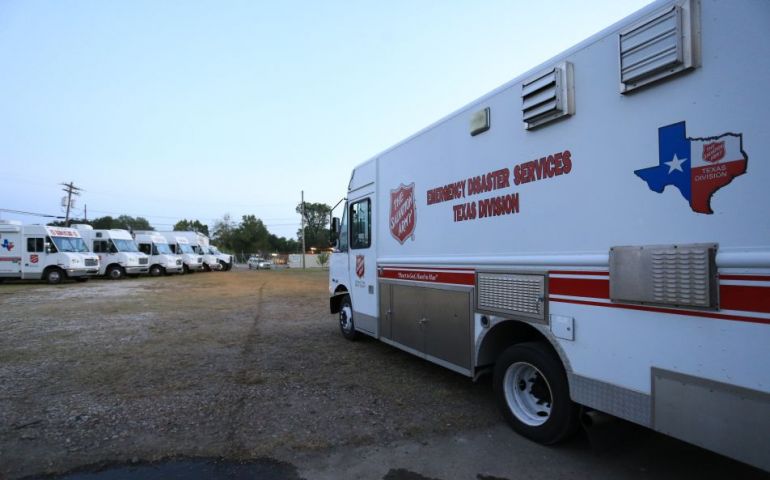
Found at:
[162, 259]
[40, 252]
[118, 254]
[595, 234]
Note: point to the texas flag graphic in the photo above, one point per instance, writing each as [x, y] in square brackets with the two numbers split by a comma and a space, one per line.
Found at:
[698, 167]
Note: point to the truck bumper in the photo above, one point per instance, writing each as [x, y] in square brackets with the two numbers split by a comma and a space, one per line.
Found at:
[81, 272]
[137, 270]
[174, 269]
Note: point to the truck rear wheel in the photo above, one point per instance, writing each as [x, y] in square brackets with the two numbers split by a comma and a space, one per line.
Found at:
[115, 272]
[54, 276]
[347, 327]
[532, 392]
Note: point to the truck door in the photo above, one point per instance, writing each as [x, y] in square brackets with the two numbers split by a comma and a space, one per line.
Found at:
[34, 257]
[362, 263]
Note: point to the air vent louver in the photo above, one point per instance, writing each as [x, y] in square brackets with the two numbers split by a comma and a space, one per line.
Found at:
[547, 96]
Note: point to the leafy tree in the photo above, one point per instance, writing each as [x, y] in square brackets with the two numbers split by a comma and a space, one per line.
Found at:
[316, 221]
[223, 232]
[323, 257]
[194, 225]
[125, 222]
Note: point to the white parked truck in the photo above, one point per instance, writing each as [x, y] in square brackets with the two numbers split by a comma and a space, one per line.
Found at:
[200, 245]
[192, 261]
[594, 233]
[118, 254]
[225, 259]
[46, 253]
[162, 259]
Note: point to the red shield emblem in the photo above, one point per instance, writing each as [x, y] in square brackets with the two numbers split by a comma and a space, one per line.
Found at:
[360, 266]
[713, 152]
[402, 212]
[33, 259]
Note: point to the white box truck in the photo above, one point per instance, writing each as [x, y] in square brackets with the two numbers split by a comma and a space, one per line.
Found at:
[192, 261]
[200, 245]
[162, 259]
[592, 233]
[225, 259]
[118, 254]
[41, 252]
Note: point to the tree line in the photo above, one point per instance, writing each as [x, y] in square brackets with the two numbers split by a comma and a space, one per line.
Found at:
[249, 235]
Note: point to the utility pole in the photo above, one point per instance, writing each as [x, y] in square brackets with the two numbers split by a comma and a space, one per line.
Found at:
[71, 190]
[303, 229]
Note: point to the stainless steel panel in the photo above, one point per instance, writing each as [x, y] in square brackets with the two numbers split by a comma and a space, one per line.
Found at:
[385, 311]
[730, 420]
[672, 275]
[618, 401]
[406, 314]
[518, 295]
[447, 325]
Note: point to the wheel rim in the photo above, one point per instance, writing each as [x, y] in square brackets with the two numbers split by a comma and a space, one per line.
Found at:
[528, 394]
[115, 273]
[346, 318]
[54, 276]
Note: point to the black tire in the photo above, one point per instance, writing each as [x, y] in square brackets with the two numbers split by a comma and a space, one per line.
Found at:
[54, 276]
[81, 279]
[185, 268]
[156, 271]
[115, 272]
[206, 267]
[347, 325]
[532, 371]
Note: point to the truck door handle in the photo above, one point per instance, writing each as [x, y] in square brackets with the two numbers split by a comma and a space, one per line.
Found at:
[422, 321]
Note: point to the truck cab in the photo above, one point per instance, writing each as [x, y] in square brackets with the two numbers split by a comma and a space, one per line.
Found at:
[191, 260]
[161, 259]
[118, 254]
[41, 252]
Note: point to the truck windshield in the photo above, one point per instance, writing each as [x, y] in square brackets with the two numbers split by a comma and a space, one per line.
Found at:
[70, 244]
[214, 250]
[163, 248]
[125, 245]
[185, 248]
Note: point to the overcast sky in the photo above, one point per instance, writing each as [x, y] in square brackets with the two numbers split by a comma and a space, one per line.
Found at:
[189, 109]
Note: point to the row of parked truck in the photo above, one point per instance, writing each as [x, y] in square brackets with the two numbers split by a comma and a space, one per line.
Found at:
[55, 253]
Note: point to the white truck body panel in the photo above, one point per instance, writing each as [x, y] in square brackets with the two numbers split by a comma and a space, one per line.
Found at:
[676, 164]
[29, 251]
[115, 248]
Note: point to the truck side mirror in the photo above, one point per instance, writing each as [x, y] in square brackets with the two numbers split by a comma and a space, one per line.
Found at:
[335, 224]
[47, 247]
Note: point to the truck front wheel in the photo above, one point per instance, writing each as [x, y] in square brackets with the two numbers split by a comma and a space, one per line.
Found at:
[347, 327]
[54, 276]
[156, 270]
[532, 392]
[115, 272]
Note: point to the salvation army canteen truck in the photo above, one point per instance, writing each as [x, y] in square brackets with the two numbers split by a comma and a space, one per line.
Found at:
[117, 251]
[40, 252]
[161, 259]
[595, 234]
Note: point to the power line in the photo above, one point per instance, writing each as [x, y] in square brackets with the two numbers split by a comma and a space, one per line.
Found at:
[22, 212]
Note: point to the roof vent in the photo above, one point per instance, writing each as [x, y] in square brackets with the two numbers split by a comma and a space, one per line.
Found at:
[657, 47]
[548, 96]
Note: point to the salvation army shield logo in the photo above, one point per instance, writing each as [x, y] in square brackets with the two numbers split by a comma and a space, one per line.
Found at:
[402, 212]
[360, 266]
[33, 259]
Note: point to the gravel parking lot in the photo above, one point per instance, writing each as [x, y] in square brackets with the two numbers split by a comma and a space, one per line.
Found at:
[249, 365]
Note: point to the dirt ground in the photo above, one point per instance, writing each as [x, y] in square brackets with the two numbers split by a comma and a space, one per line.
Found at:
[236, 365]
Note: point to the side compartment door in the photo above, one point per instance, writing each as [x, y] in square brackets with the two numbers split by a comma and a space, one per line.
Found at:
[339, 265]
[362, 263]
